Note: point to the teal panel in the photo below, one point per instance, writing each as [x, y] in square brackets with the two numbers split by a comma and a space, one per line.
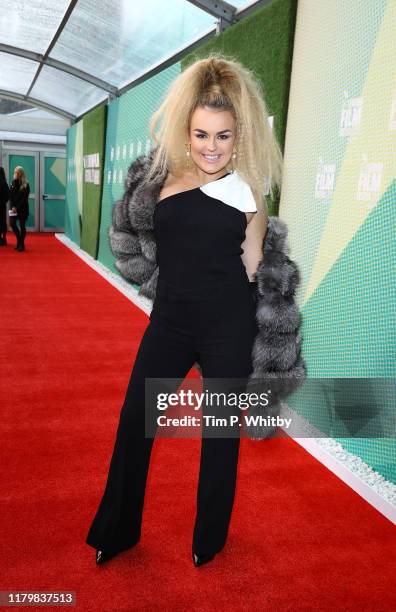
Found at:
[127, 137]
[54, 185]
[349, 320]
[73, 202]
[55, 175]
[54, 213]
[28, 163]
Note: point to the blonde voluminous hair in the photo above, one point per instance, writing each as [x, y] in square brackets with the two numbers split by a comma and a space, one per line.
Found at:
[223, 84]
[23, 178]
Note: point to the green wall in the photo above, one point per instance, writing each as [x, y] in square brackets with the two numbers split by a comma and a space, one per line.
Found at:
[263, 42]
[94, 126]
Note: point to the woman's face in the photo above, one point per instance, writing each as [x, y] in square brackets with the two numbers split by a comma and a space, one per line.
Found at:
[212, 137]
[17, 174]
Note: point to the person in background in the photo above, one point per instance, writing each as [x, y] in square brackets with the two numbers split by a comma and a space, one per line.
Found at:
[19, 203]
[4, 195]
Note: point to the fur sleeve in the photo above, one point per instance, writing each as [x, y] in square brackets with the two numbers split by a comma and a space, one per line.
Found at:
[124, 239]
[276, 354]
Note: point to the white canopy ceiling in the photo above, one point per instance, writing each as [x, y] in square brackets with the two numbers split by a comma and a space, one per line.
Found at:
[69, 55]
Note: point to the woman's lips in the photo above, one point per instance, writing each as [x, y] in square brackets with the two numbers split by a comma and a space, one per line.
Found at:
[212, 161]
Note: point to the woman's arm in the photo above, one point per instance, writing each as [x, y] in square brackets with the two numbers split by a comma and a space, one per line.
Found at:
[131, 248]
[253, 244]
[18, 197]
[4, 190]
[13, 194]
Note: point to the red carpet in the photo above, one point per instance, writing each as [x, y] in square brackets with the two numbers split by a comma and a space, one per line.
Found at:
[300, 539]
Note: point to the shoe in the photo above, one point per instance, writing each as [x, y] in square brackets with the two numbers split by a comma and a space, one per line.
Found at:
[21, 247]
[105, 555]
[201, 559]
[102, 556]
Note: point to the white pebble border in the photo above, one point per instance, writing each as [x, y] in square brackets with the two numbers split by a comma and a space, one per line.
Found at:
[368, 483]
[361, 477]
[380, 485]
[113, 278]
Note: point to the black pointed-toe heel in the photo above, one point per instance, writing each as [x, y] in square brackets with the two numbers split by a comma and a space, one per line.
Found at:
[105, 555]
[102, 556]
[201, 559]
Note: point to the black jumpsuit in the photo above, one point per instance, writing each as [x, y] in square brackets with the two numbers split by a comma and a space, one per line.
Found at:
[203, 312]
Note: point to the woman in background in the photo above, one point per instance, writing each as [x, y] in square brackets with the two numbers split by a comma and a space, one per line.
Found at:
[19, 204]
[4, 195]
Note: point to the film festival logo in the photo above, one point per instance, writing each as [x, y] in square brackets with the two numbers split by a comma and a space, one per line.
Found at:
[351, 114]
[369, 181]
[325, 179]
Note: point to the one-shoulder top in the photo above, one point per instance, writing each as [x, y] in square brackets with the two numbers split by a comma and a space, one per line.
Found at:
[199, 233]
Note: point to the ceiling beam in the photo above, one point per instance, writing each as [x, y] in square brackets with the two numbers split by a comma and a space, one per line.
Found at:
[223, 11]
[40, 59]
[34, 102]
[58, 32]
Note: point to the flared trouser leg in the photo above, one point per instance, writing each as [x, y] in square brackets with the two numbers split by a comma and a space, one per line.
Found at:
[225, 355]
[117, 523]
[215, 495]
[224, 370]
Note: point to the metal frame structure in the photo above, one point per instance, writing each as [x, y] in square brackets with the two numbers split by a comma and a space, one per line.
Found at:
[225, 13]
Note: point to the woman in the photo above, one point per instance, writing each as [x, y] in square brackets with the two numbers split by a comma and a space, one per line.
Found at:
[189, 230]
[19, 204]
[4, 195]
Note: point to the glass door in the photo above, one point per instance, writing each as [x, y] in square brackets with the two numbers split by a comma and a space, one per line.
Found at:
[53, 188]
[30, 163]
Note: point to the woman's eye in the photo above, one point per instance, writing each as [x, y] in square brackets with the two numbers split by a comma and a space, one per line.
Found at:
[221, 136]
